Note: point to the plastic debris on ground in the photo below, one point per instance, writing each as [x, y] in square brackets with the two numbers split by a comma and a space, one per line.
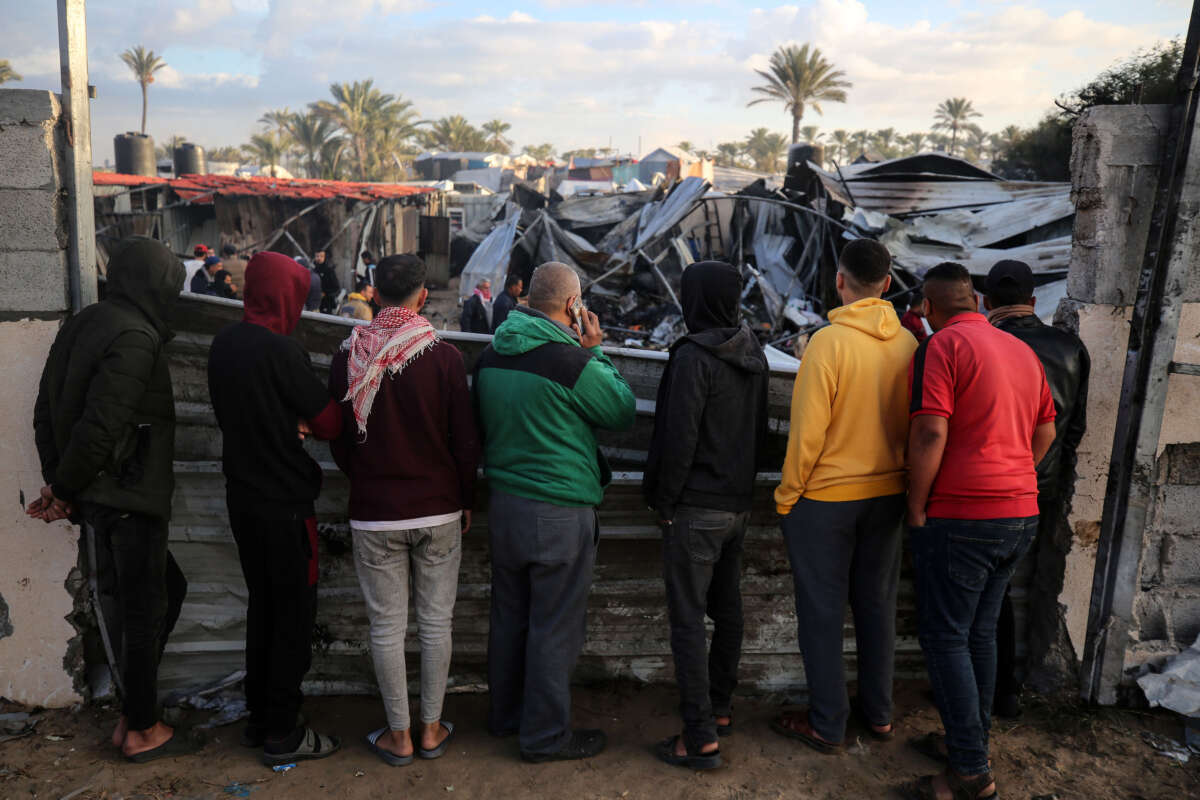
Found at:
[240, 789]
[283, 767]
[223, 697]
[1176, 683]
[16, 724]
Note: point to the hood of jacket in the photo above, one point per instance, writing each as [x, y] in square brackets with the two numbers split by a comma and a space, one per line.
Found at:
[710, 293]
[275, 290]
[737, 347]
[145, 274]
[874, 316]
[526, 329]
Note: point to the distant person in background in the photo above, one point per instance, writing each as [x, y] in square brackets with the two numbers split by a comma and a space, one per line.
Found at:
[204, 281]
[1008, 298]
[507, 301]
[475, 310]
[267, 398]
[331, 287]
[195, 264]
[223, 285]
[358, 302]
[234, 264]
[313, 301]
[913, 320]
[368, 268]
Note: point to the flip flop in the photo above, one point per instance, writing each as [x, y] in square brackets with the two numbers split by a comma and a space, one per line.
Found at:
[388, 757]
[665, 750]
[178, 745]
[784, 727]
[440, 750]
[313, 746]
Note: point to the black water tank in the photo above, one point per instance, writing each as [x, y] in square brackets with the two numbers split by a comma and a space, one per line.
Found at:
[135, 154]
[799, 177]
[189, 159]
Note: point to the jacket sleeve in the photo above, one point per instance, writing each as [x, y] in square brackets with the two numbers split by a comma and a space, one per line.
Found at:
[340, 446]
[812, 409]
[113, 395]
[680, 421]
[1077, 426]
[602, 397]
[464, 436]
[43, 427]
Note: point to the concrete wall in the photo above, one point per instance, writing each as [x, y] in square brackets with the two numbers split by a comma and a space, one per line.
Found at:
[1117, 152]
[39, 650]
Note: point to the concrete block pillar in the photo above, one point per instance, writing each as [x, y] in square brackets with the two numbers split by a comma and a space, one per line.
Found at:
[40, 659]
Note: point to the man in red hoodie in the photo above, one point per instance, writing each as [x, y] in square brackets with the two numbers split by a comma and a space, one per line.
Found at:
[267, 398]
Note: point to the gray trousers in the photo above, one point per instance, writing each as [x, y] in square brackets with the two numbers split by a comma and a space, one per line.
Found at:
[385, 562]
[843, 552]
[542, 559]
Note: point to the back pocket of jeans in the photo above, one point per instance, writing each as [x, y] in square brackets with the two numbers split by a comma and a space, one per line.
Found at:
[971, 559]
[703, 540]
[443, 542]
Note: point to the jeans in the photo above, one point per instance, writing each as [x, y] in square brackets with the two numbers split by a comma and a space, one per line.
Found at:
[279, 563]
[962, 569]
[133, 560]
[542, 560]
[846, 552]
[384, 561]
[702, 568]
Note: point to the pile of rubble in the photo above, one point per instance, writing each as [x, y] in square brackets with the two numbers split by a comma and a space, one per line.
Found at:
[631, 248]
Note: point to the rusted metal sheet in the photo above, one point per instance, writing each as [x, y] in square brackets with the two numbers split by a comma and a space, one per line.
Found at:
[627, 627]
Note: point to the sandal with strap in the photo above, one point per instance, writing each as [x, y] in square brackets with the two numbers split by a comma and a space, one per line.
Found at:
[312, 746]
[665, 750]
[960, 788]
[793, 725]
[726, 730]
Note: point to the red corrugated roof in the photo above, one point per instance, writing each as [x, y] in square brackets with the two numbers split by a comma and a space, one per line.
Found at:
[202, 188]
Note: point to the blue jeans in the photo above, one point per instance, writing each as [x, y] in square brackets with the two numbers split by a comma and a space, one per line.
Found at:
[962, 569]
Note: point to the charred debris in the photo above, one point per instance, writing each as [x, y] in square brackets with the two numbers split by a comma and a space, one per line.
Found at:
[630, 248]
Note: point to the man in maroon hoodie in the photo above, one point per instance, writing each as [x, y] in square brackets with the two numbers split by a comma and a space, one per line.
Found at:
[266, 398]
[410, 449]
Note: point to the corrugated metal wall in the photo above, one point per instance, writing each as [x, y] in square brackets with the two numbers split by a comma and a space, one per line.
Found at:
[627, 624]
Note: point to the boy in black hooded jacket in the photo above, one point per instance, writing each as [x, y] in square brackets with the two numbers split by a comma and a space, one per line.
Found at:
[709, 429]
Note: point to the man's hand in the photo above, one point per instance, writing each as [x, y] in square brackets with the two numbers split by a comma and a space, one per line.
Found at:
[302, 430]
[49, 508]
[466, 520]
[916, 517]
[591, 335]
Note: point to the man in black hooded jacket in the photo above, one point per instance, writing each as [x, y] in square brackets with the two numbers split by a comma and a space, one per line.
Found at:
[709, 429]
[104, 423]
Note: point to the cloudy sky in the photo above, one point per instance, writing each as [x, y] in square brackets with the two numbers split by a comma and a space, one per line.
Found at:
[577, 73]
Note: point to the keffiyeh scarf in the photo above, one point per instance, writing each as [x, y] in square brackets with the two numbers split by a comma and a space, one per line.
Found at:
[393, 340]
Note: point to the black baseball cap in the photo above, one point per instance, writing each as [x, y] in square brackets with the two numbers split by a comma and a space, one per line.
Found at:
[1010, 276]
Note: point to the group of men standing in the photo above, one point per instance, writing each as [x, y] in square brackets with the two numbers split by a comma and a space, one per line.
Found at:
[482, 314]
[944, 437]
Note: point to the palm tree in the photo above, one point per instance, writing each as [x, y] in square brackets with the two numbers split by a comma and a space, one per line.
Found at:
[1001, 142]
[729, 154]
[809, 133]
[686, 146]
[541, 152]
[268, 148]
[455, 134]
[311, 133]
[495, 130]
[765, 149]
[225, 153]
[884, 139]
[798, 77]
[357, 109]
[7, 73]
[280, 120]
[977, 141]
[841, 143]
[952, 115]
[143, 63]
[916, 141]
[860, 140]
[167, 149]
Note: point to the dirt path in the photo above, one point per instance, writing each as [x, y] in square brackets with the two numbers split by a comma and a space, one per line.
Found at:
[1073, 752]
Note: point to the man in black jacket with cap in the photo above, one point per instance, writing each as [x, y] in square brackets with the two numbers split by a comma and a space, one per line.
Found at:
[104, 423]
[709, 429]
[1008, 297]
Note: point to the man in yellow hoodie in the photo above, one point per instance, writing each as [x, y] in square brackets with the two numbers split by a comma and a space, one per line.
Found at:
[842, 498]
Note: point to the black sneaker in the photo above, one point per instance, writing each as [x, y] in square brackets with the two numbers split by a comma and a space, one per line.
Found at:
[583, 744]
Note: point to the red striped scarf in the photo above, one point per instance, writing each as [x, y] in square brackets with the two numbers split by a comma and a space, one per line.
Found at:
[393, 340]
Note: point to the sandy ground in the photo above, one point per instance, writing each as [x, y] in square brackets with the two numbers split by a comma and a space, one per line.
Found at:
[1053, 750]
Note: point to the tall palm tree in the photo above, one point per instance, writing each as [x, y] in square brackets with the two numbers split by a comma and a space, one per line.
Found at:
[841, 143]
[455, 134]
[7, 73]
[766, 149]
[357, 108]
[280, 119]
[952, 115]
[860, 140]
[977, 140]
[495, 130]
[1005, 139]
[810, 134]
[884, 139]
[799, 77]
[916, 141]
[268, 148]
[311, 133]
[729, 154]
[143, 63]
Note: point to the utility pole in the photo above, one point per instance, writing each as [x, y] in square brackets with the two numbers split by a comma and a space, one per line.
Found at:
[77, 123]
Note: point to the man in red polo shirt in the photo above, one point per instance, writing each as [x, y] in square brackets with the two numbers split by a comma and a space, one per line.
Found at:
[981, 418]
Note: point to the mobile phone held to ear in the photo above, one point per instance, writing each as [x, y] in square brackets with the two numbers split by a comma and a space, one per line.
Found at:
[577, 310]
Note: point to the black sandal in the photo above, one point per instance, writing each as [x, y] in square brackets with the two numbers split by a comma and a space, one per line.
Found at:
[665, 750]
[960, 788]
[312, 746]
[726, 730]
[180, 744]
